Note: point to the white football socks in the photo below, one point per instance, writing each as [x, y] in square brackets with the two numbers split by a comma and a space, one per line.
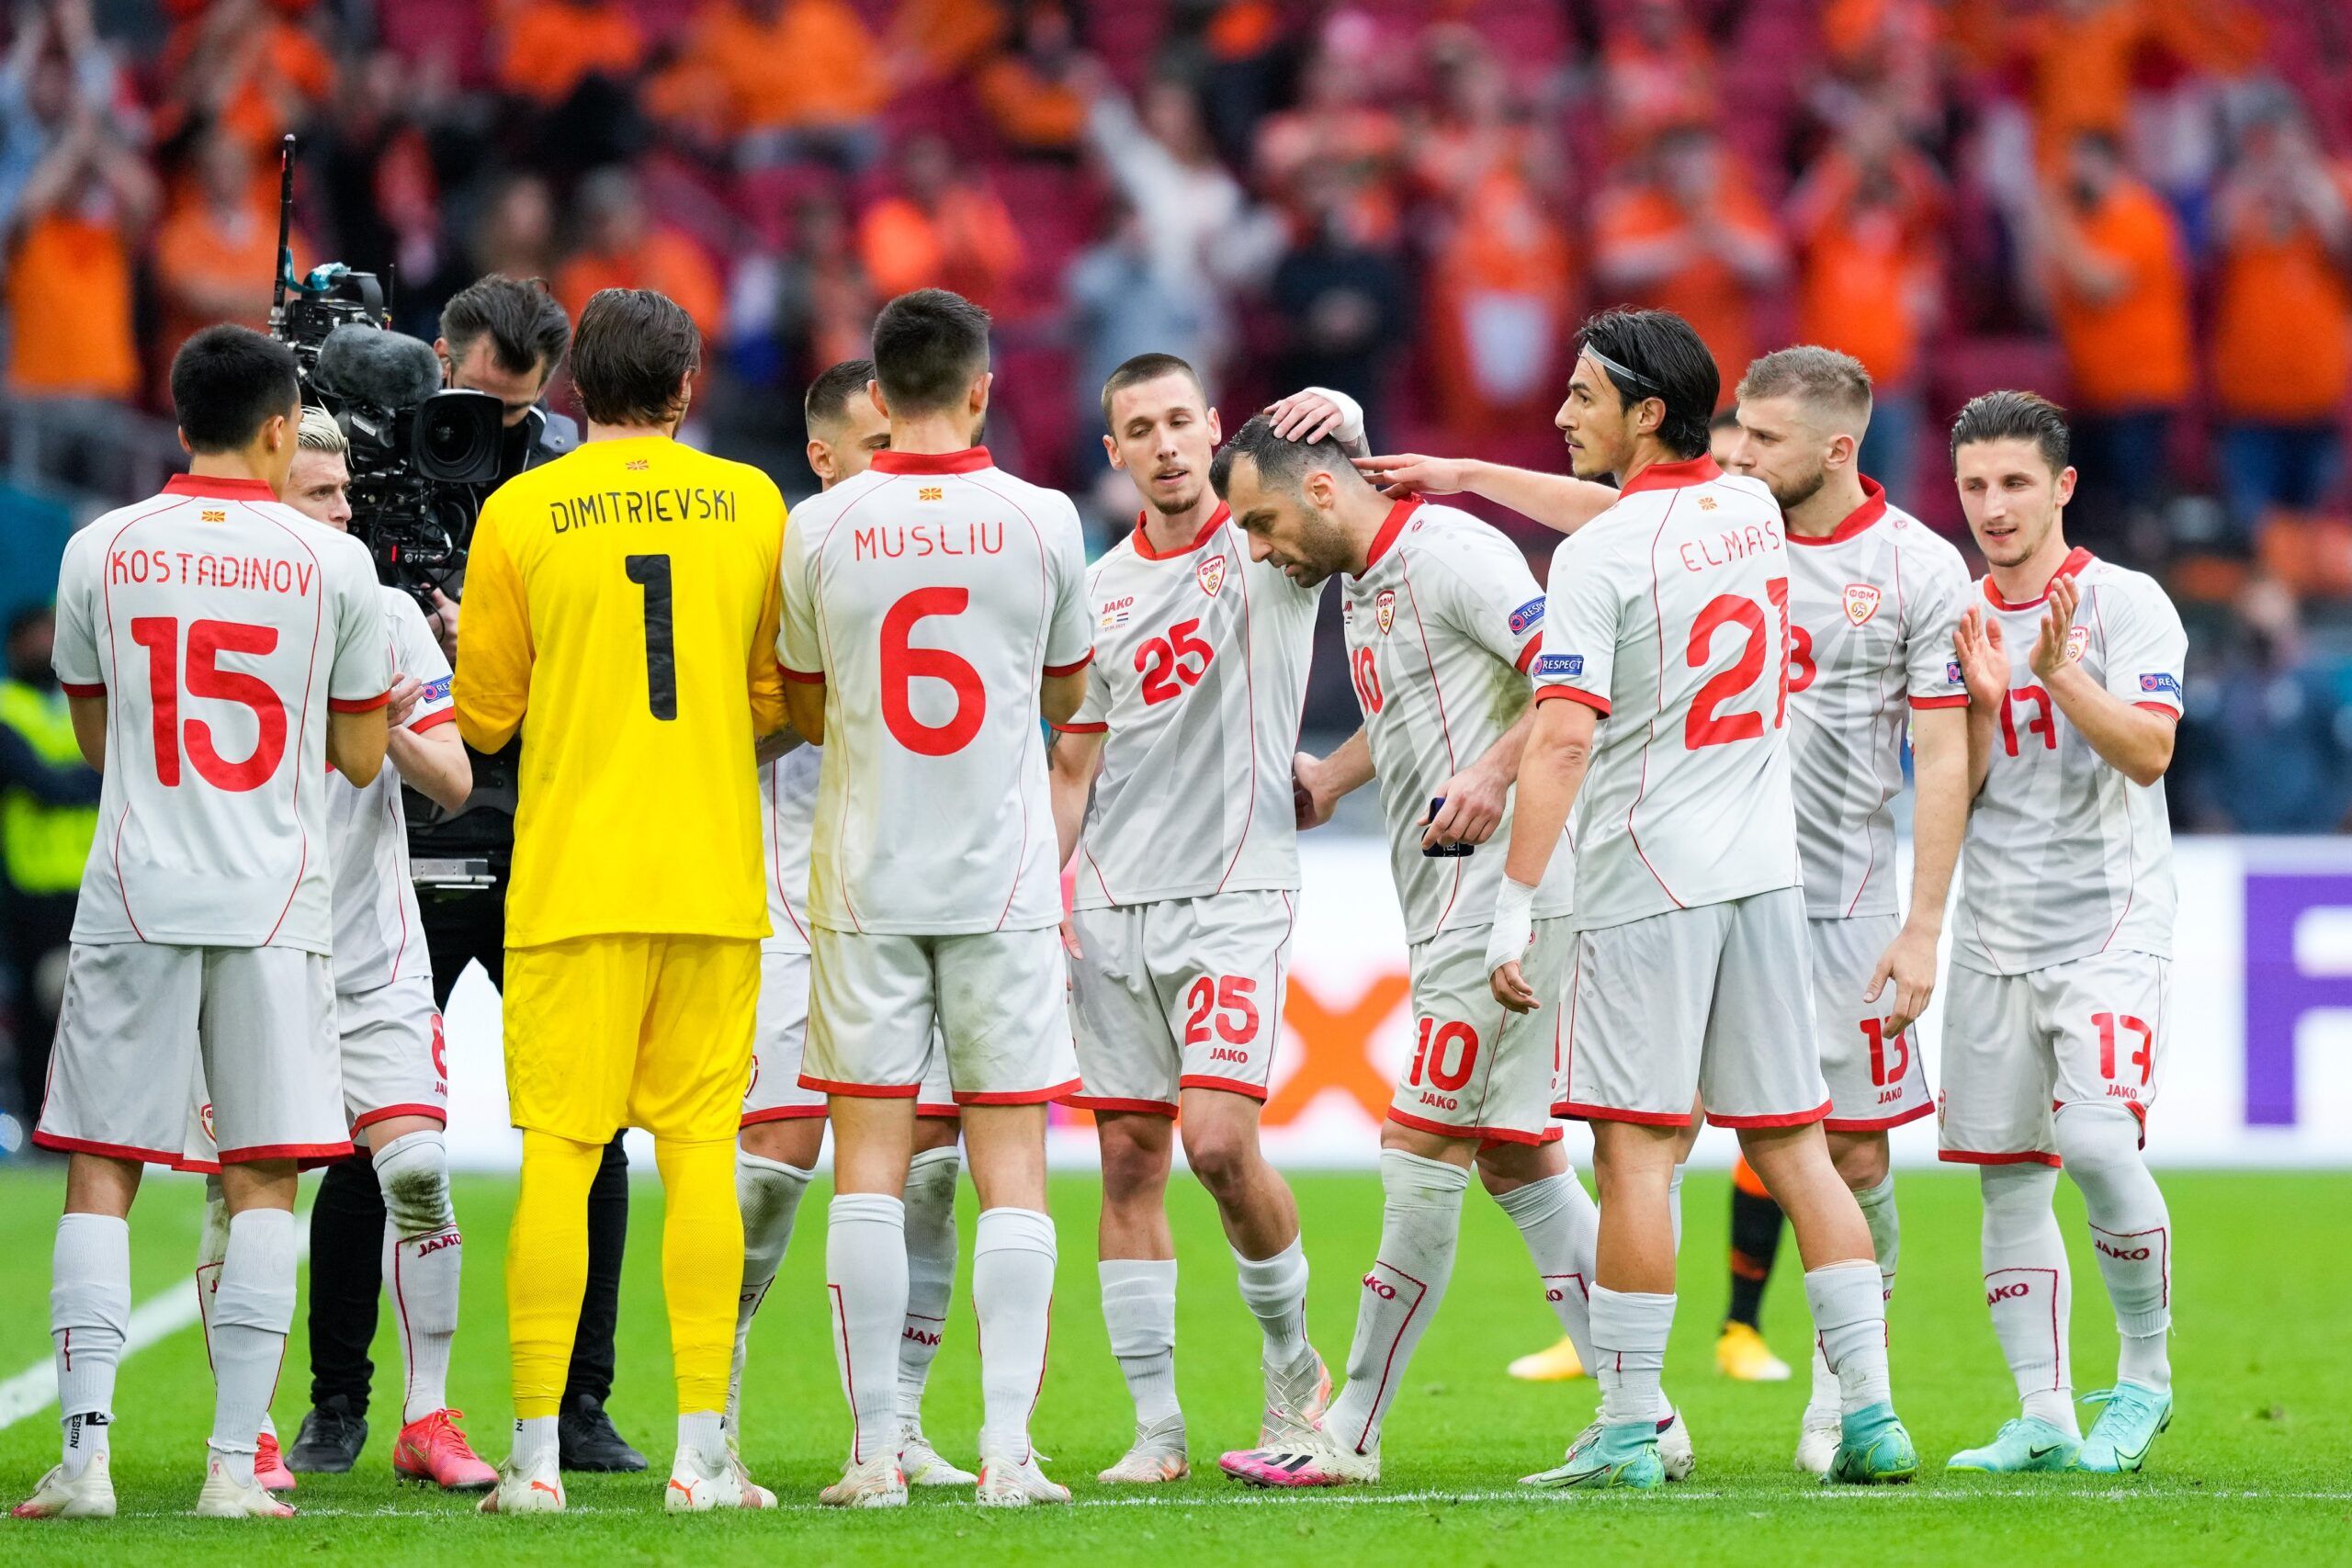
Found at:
[2130, 1233]
[89, 1318]
[1674, 1205]
[1849, 1304]
[1013, 1296]
[1877, 1204]
[1275, 1289]
[252, 1310]
[865, 1272]
[703, 1433]
[1561, 1226]
[1630, 1329]
[537, 1444]
[768, 1191]
[2028, 1287]
[1420, 1225]
[424, 1260]
[1139, 1310]
[931, 1270]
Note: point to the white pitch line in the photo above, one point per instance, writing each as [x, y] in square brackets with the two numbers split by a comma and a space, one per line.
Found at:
[154, 1320]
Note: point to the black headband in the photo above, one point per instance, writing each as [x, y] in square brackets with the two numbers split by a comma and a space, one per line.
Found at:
[1623, 376]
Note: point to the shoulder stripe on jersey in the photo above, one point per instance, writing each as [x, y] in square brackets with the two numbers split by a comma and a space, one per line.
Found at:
[1649, 732]
[1452, 764]
[1044, 627]
[318, 623]
[1250, 703]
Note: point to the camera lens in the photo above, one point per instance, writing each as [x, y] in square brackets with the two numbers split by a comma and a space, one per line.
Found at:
[457, 436]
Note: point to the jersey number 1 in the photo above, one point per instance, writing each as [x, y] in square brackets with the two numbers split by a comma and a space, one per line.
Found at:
[653, 574]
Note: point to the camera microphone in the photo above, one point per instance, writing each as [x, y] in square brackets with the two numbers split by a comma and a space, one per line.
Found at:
[384, 369]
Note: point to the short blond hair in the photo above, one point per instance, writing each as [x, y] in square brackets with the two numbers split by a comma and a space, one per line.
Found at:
[1825, 381]
[320, 432]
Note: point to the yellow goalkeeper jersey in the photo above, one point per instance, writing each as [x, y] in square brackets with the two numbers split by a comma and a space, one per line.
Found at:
[620, 612]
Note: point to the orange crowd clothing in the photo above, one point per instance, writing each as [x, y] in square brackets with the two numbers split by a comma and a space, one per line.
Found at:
[967, 244]
[946, 36]
[2283, 322]
[2080, 64]
[1032, 112]
[664, 260]
[814, 66]
[69, 298]
[1502, 290]
[1706, 291]
[212, 269]
[1867, 262]
[552, 47]
[2133, 351]
[278, 76]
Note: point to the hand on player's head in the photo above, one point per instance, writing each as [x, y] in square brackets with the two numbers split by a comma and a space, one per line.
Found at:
[1409, 473]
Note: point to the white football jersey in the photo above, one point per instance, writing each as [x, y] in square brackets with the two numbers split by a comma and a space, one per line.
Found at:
[930, 593]
[221, 626]
[1441, 629]
[1670, 616]
[377, 936]
[1871, 608]
[1200, 671]
[788, 817]
[2064, 856]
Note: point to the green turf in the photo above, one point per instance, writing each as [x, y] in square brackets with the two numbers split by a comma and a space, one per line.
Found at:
[2255, 1463]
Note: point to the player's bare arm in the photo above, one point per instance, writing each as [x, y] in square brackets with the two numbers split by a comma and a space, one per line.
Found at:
[1071, 767]
[1476, 796]
[804, 704]
[1940, 820]
[356, 744]
[1559, 501]
[1059, 696]
[1551, 772]
[89, 716]
[1985, 666]
[1320, 781]
[2133, 742]
[1314, 412]
[433, 763]
[777, 743]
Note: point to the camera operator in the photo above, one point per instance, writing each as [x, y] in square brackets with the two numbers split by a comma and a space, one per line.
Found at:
[504, 336]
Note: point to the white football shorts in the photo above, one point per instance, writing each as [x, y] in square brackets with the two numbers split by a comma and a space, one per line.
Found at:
[1000, 998]
[394, 1062]
[1876, 1080]
[780, 1034]
[1479, 1070]
[2016, 1048]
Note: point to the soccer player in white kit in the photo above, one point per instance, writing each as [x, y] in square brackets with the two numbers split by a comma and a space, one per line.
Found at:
[783, 1123]
[1661, 702]
[395, 1082]
[1172, 785]
[933, 607]
[2054, 1037]
[1442, 619]
[220, 651]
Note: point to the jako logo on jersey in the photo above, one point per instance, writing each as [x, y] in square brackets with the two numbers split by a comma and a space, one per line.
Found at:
[2167, 684]
[1558, 666]
[1387, 609]
[2076, 640]
[1210, 575]
[1861, 601]
[1117, 613]
[1527, 615]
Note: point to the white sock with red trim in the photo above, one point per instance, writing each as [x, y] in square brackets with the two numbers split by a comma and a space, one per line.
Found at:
[1420, 1225]
[768, 1191]
[1139, 1311]
[252, 1309]
[1012, 1295]
[931, 1270]
[2130, 1233]
[1848, 1306]
[1630, 1329]
[1561, 1226]
[1877, 1204]
[1275, 1289]
[865, 1271]
[89, 1318]
[2028, 1287]
[211, 1247]
[424, 1262]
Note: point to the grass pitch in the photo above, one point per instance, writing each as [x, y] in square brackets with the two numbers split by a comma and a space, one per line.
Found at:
[2259, 1460]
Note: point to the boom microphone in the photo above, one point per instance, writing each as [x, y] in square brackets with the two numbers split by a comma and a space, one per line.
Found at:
[369, 365]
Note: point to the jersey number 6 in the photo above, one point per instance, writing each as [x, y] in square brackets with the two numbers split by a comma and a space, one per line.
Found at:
[902, 662]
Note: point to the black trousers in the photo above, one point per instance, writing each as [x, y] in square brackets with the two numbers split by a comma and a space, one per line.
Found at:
[347, 1221]
[32, 927]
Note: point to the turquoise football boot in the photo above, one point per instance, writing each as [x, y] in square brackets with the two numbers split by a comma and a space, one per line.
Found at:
[1621, 1457]
[2026, 1443]
[1873, 1450]
[2125, 1430]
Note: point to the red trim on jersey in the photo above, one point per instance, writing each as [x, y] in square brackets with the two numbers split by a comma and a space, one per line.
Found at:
[433, 720]
[1484, 1134]
[804, 677]
[2171, 713]
[1527, 655]
[431, 1112]
[1073, 668]
[1227, 1086]
[1142, 541]
[304, 1154]
[1020, 1096]
[1081, 728]
[1581, 1113]
[1697, 470]
[74, 689]
[358, 704]
[1570, 693]
[111, 1151]
[780, 1113]
[1793, 1118]
[966, 461]
[1875, 1123]
[1959, 701]
[218, 487]
[2076, 559]
[2023, 1156]
[1857, 520]
[936, 1111]
[1108, 1102]
[1390, 526]
[862, 1090]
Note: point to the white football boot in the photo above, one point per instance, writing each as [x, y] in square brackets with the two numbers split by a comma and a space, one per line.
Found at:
[1818, 1440]
[89, 1495]
[1009, 1483]
[700, 1482]
[877, 1483]
[537, 1489]
[225, 1497]
[923, 1465]
[1157, 1456]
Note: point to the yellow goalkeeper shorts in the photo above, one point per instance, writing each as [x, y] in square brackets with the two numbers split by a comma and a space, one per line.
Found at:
[610, 1032]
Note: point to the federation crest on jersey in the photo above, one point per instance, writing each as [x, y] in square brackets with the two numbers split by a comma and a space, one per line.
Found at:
[1210, 574]
[1385, 609]
[1861, 601]
[2078, 639]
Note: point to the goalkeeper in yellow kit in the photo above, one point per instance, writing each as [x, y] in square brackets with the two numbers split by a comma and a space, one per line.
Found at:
[620, 613]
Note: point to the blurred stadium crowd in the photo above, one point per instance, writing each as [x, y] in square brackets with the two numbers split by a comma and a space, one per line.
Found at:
[2139, 205]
